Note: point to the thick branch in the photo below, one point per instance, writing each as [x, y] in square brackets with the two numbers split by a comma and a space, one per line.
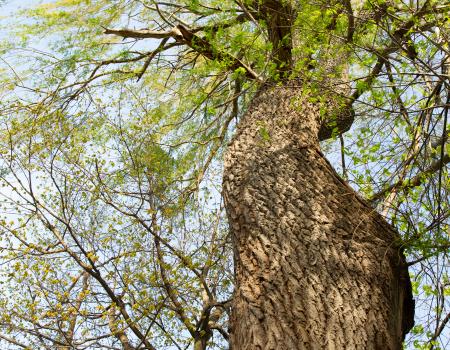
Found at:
[188, 37]
[70, 333]
[118, 333]
[144, 33]
[441, 328]
[14, 341]
[416, 180]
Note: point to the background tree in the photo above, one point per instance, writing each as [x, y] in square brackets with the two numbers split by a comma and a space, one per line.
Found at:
[113, 234]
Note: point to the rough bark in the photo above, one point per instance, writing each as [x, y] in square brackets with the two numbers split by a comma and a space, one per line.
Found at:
[316, 267]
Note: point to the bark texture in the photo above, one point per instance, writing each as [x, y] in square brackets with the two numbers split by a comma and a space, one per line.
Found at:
[316, 267]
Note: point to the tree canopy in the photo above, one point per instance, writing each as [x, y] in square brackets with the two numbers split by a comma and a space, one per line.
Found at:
[114, 118]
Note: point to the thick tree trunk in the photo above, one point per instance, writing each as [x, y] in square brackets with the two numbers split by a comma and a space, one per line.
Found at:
[316, 267]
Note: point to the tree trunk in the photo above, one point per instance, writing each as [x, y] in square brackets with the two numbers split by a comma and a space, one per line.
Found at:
[316, 267]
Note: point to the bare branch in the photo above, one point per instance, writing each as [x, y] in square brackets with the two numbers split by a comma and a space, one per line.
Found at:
[144, 33]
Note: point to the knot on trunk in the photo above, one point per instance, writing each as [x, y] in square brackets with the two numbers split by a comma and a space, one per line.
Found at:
[336, 124]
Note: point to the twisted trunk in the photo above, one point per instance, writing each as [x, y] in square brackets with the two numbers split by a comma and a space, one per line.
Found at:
[316, 267]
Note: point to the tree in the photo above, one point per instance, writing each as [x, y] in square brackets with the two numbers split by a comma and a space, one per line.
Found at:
[112, 139]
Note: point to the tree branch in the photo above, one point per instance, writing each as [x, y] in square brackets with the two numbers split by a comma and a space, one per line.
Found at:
[188, 37]
[441, 328]
[118, 333]
[144, 33]
[415, 181]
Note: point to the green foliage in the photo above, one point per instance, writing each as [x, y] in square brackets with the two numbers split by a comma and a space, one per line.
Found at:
[110, 166]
